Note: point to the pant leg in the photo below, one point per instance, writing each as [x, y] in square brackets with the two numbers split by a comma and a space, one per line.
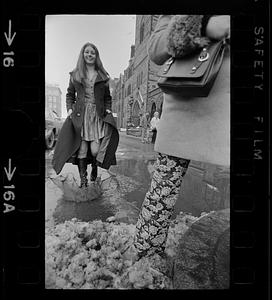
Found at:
[154, 134]
[158, 205]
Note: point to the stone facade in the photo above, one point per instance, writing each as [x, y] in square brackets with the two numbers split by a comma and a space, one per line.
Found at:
[117, 101]
[145, 71]
[137, 89]
[128, 88]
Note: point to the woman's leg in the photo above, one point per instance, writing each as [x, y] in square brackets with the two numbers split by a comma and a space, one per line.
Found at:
[82, 163]
[94, 150]
[83, 149]
[157, 208]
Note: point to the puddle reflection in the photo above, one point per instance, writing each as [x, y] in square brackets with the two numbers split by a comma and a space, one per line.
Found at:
[122, 193]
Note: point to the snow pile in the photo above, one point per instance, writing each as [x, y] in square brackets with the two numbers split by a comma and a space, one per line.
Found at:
[99, 255]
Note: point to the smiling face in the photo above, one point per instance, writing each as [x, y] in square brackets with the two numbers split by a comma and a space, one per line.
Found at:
[89, 55]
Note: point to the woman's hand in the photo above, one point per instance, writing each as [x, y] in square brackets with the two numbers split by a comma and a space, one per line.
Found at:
[108, 111]
[69, 112]
[218, 27]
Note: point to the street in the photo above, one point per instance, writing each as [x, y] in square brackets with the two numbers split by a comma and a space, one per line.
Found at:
[118, 193]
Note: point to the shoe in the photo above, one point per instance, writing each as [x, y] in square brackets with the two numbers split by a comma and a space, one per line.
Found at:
[94, 172]
[82, 168]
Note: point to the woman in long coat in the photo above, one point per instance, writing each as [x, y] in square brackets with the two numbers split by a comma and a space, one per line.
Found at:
[89, 134]
[189, 128]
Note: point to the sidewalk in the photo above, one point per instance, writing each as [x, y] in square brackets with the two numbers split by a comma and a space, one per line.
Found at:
[131, 147]
[123, 132]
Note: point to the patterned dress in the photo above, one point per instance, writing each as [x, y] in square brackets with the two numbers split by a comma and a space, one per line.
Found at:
[93, 127]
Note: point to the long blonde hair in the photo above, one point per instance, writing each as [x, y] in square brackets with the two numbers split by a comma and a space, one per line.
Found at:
[80, 69]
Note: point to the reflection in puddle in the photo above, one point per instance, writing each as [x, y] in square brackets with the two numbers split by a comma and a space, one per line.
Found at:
[105, 198]
[71, 191]
[122, 191]
[65, 200]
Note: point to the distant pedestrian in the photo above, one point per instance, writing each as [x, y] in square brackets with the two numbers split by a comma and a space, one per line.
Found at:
[145, 128]
[89, 134]
[154, 125]
[190, 128]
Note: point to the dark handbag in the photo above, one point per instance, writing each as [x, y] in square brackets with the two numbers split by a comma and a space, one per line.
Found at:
[192, 75]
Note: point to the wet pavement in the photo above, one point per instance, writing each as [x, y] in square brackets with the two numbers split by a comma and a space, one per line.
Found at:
[119, 192]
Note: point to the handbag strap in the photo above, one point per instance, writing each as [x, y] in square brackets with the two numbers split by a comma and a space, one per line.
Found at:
[204, 55]
[168, 64]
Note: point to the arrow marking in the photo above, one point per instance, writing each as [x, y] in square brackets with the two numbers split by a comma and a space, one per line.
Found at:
[9, 38]
[9, 172]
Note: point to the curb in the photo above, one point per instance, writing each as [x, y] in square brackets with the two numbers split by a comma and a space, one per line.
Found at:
[129, 136]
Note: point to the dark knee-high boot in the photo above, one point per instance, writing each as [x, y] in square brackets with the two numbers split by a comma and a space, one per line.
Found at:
[82, 168]
[94, 171]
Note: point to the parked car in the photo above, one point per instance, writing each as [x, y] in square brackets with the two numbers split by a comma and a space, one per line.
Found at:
[53, 124]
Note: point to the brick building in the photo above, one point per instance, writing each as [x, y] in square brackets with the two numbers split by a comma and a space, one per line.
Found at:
[145, 71]
[137, 89]
[118, 102]
[129, 101]
[52, 99]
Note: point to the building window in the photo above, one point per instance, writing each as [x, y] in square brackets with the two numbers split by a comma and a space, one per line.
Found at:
[129, 90]
[142, 32]
[129, 72]
[140, 79]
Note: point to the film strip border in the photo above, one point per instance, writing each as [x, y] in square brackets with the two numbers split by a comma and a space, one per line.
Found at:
[249, 158]
[23, 163]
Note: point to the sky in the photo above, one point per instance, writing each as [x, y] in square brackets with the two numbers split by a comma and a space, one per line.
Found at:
[66, 34]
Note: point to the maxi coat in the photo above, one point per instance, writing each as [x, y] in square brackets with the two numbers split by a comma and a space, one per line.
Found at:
[69, 139]
[192, 128]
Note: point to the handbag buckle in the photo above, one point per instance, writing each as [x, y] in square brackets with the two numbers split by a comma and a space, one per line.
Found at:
[204, 55]
[168, 64]
[169, 61]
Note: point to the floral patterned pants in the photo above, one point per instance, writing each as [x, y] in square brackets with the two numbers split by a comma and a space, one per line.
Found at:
[158, 205]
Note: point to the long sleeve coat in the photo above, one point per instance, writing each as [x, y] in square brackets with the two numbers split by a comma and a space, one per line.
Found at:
[70, 135]
[195, 128]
